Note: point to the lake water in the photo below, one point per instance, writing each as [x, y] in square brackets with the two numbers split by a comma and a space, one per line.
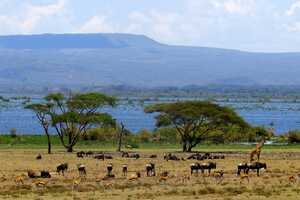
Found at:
[280, 116]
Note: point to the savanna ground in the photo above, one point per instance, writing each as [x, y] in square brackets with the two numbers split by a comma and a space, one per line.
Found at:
[273, 183]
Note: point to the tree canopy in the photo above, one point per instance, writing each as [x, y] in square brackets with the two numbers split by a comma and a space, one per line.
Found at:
[194, 120]
[71, 116]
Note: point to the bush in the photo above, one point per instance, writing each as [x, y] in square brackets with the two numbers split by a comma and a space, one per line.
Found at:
[293, 136]
[144, 135]
[13, 133]
[101, 134]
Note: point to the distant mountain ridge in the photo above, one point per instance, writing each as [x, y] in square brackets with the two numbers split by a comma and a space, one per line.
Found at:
[75, 41]
[80, 60]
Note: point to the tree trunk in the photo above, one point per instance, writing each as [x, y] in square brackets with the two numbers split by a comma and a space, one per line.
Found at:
[184, 146]
[70, 149]
[120, 137]
[49, 143]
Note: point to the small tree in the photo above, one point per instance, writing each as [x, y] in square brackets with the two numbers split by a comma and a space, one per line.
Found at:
[121, 132]
[194, 120]
[42, 112]
[72, 116]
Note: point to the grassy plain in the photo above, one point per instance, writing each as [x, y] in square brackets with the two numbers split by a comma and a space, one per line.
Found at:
[16, 159]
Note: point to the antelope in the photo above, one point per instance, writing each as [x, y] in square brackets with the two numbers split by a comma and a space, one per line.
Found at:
[135, 176]
[19, 180]
[244, 177]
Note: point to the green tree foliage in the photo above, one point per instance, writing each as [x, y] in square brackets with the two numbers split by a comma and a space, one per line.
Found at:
[166, 135]
[293, 136]
[74, 115]
[195, 120]
[144, 136]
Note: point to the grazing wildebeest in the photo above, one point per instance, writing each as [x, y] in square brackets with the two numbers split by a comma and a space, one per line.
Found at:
[45, 174]
[207, 166]
[195, 167]
[31, 174]
[169, 156]
[108, 157]
[39, 157]
[89, 153]
[81, 170]
[150, 169]
[62, 168]
[109, 170]
[125, 154]
[196, 156]
[99, 156]
[124, 169]
[153, 156]
[256, 166]
[80, 154]
[242, 167]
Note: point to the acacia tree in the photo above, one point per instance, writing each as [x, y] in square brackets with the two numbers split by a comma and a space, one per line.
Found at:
[42, 112]
[72, 116]
[195, 120]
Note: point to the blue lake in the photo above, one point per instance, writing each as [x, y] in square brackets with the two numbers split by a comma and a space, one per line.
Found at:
[279, 116]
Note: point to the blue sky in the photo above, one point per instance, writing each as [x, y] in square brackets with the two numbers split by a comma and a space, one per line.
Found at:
[252, 25]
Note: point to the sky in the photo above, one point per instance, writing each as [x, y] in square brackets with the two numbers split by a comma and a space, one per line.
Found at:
[250, 25]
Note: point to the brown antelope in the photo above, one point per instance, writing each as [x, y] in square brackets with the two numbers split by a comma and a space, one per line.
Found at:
[244, 177]
[134, 177]
[219, 176]
[19, 180]
[292, 179]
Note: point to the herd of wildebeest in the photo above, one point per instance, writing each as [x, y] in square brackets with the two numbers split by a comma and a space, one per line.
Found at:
[206, 162]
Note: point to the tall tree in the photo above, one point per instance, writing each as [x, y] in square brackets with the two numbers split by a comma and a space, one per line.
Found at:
[121, 132]
[42, 112]
[72, 116]
[195, 120]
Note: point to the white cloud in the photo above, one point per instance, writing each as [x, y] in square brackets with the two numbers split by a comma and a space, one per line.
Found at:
[242, 7]
[28, 20]
[96, 24]
[294, 27]
[293, 8]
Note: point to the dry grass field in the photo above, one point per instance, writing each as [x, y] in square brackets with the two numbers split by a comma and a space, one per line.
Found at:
[273, 183]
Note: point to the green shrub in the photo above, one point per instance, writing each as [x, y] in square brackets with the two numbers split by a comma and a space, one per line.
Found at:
[13, 133]
[293, 136]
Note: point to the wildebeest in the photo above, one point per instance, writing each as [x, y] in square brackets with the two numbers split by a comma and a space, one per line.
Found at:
[80, 154]
[242, 167]
[253, 166]
[127, 155]
[153, 156]
[207, 166]
[170, 156]
[39, 157]
[150, 169]
[124, 169]
[256, 166]
[81, 170]
[195, 167]
[45, 174]
[31, 174]
[99, 156]
[196, 156]
[62, 168]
